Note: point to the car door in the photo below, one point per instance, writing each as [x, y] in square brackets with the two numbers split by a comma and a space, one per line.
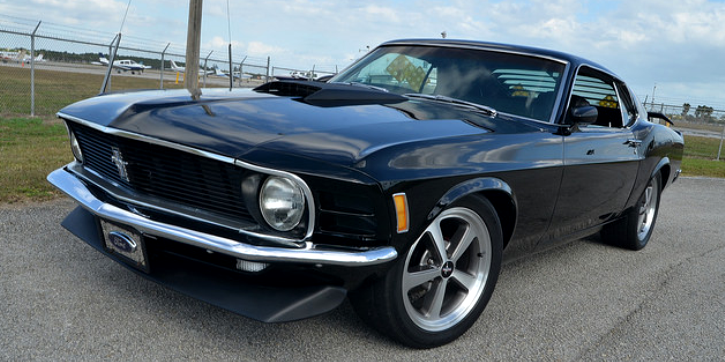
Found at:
[600, 159]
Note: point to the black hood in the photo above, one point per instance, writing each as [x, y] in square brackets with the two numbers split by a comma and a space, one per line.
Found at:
[336, 127]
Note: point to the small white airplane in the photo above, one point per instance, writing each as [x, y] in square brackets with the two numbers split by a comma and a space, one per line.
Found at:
[124, 64]
[310, 75]
[39, 58]
[220, 73]
[12, 56]
[180, 69]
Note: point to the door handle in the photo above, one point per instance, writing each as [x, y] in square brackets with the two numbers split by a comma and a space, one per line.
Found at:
[633, 143]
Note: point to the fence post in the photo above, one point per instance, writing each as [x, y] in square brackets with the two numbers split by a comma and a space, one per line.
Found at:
[266, 79]
[112, 57]
[204, 71]
[32, 70]
[163, 53]
[241, 70]
[722, 137]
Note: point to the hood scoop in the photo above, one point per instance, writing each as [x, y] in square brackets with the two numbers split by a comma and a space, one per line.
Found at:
[330, 94]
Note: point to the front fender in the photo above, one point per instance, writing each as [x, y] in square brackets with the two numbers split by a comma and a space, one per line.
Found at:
[497, 191]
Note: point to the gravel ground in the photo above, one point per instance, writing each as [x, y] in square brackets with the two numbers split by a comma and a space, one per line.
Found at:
[61, 300]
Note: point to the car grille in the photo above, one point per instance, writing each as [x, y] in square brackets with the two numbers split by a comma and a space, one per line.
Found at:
[165, 173]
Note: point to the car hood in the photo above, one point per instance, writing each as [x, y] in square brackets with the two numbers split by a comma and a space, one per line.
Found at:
[241, 122]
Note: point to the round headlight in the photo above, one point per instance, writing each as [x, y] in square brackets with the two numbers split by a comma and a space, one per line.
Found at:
[75, 147]
[282, 203]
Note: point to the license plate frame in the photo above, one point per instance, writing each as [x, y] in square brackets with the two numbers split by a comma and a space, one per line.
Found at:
[126, 244]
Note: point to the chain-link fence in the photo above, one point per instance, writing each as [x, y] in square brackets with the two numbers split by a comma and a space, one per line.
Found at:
[689, 113]
[704, 122]
[43, 68]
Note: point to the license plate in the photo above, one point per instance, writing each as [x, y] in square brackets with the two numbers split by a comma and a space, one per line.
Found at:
[125, 243]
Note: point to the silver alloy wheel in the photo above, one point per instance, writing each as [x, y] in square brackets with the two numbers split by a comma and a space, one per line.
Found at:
[648, 208]
[446, 270]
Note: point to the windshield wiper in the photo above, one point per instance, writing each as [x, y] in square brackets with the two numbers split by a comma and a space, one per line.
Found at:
[459, 102]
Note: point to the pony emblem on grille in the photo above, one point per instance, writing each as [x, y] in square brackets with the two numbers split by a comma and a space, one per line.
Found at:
[117, 160]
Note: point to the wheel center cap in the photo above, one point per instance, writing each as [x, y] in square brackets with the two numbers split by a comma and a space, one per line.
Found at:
[447, 269]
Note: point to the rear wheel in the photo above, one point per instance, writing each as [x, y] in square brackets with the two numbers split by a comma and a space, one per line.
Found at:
[438, 290]
[634, 230]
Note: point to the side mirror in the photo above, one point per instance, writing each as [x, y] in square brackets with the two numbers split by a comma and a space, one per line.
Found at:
[584, 115]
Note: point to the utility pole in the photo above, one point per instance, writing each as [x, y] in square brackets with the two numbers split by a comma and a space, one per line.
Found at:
[193, 44]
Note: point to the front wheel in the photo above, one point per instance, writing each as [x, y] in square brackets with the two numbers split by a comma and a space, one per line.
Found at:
[437, 291]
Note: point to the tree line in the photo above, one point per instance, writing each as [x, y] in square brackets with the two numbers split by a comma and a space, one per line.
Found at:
[701, 114]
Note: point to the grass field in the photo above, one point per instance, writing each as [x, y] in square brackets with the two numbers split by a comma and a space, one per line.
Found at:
[30, 148]
[55, 90]
[700, 157]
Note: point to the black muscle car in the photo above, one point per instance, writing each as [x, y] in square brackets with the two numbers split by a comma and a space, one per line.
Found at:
[403, 182]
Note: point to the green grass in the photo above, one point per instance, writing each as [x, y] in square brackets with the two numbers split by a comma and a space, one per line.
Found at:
[29, 150]
[701, 147]
[700, 157]
[703, 168]
[55, 90]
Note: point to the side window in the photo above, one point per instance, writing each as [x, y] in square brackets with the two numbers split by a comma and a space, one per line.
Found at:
[598, 89]
[629, 107]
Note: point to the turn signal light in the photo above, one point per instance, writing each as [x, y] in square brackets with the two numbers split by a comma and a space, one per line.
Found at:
[401, 210]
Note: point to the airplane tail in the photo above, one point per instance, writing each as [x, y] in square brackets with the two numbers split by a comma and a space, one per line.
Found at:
[173, 65]
[102, 59]
[39, 57]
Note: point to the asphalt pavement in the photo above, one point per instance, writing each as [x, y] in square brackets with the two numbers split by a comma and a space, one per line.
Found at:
[60, 300]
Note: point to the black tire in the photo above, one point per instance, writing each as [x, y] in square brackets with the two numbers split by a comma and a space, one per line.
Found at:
[428, 299]
[634, 229]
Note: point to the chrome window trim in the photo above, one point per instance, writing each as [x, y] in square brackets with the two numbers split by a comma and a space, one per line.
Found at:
[476, 47]
[230, 160]
[615, 85]
[560, 92]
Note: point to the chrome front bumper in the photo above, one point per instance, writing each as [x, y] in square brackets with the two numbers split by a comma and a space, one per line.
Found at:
[309, 254]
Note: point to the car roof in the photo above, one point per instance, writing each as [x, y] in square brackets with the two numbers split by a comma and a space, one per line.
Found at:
[574, 60]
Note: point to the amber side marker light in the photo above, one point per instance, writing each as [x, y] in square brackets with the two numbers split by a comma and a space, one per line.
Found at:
[401, 211]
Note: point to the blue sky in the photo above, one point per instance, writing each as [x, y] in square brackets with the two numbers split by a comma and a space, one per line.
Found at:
[677, 45]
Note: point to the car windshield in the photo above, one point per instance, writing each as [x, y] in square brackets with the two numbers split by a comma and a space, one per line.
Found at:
[510, 83]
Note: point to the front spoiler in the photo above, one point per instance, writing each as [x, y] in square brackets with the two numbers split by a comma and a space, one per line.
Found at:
[220, 287]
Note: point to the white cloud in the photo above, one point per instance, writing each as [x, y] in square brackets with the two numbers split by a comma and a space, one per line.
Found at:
[258, 49]
[219, 43]
[381, 13]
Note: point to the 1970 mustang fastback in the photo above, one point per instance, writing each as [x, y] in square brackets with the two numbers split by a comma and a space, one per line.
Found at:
[402, 182]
